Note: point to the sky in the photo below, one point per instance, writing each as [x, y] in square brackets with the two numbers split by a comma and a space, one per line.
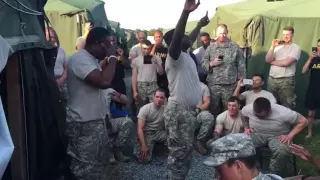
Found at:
[150, 14]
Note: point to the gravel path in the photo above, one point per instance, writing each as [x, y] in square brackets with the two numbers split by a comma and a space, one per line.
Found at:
[157, 170]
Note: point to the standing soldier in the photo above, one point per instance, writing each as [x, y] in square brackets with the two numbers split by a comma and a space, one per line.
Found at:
[185, 94]
[224, 62]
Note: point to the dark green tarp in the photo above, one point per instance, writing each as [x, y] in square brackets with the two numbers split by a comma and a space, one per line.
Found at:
[255, 23]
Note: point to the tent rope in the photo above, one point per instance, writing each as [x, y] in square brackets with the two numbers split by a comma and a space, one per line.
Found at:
[35, 13]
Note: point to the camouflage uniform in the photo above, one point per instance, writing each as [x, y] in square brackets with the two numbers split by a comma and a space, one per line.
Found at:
[145, 92]
[180, 123]
[205, 122]
[234, 146]
[88, 147]
[280, 152]
[122, 127]
[151, 138]
[222, 78]
[283, 90]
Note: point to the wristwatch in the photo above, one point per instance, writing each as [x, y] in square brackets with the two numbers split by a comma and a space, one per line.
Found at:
[112, 56]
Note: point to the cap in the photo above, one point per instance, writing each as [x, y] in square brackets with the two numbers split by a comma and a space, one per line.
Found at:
[230, 147]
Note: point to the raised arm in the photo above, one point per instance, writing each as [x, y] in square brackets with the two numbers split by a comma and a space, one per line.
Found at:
[195, 32]
[175, 45]
[306, 66]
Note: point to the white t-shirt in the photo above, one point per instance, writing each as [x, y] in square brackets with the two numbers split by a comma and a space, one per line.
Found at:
[184, 83]
[60, 60]
[86, 102]
[281, 53]
[135, 51]
[251, 96]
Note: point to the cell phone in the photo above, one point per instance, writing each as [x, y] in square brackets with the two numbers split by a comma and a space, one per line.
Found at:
[314, 49]
[220, 57]
[247, 81]
[147, 59]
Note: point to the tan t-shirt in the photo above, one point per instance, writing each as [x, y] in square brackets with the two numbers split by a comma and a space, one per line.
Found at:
[184, 83]
[204, 92]
[250, 96]
[230, 126]
[146, 72]
[281, 53]
[153, 117]
[279, 122]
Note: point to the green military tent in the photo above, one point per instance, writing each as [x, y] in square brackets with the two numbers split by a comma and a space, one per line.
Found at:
[255, 23]
[68, 16]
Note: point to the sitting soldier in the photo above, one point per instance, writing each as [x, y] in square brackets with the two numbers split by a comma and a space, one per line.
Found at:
[228, 122]
[205, 120]
[150, 127]
[270, 125]
[257, 91]
[119, 129]
[234, 158]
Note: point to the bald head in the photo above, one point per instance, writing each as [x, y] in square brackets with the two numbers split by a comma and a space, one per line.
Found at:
[222, 32]
[158, 37]
[141, 36]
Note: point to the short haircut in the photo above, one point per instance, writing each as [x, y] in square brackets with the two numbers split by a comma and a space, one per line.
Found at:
[223, 25]
[234, 99]
[250, 161]
[146, 42]
[261, 104]
[157, 31]
[289, 28]
[259, 75]
[160, 90]
[205, 34]
[318, 40]
[96, 35]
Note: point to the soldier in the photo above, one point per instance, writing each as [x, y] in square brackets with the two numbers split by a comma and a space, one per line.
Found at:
[271, 125]
[234, 158]
[136, 50]
[120, 130]
[150, 127]
[85, 127]
[144, 75]
[224, 62]
[283, 56]
[199, 53]
[185, 94]
[205, 120]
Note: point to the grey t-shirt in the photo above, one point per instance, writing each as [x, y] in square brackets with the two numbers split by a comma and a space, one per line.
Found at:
[184, 83]
[86, 102]
[61, 58]
[251, 96]
[279, 122]
[146, 72]
[153, 117]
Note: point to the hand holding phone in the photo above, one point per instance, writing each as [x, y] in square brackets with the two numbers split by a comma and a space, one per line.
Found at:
[247, 82]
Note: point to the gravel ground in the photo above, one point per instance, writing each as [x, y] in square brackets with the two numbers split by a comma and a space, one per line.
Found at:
[157, 169]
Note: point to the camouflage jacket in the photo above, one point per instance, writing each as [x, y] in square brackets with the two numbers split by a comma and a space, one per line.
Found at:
[233, 63]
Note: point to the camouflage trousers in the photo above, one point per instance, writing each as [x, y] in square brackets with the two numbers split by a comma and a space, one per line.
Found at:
[280, 151]
[220, 93]
[151, 138]
[145, 92]
[283, 90]
[180, 123]
[122, 128]
[204, 124]
[88, 148]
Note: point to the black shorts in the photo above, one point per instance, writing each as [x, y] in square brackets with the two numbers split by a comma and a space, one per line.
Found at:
[312, 101]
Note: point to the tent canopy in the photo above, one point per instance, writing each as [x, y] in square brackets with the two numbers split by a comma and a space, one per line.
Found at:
[255, 23]
[70, 15]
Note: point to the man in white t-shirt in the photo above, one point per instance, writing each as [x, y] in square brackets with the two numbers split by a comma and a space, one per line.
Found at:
[150, 127]
[136, 50]
[283, 56]
[199, 53]
[257, 91]
[205, 120]
[274, 126]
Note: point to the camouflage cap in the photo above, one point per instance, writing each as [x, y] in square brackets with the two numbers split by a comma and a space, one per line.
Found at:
[229, 147]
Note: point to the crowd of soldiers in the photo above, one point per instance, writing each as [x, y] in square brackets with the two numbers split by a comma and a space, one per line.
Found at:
[178, 94]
